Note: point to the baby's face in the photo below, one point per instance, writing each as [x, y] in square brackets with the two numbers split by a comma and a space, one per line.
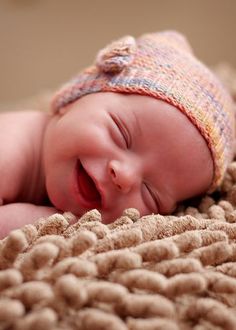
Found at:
[112, 151]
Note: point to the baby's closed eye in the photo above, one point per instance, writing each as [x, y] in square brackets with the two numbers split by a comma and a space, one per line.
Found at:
[123, 137]
[150, 198]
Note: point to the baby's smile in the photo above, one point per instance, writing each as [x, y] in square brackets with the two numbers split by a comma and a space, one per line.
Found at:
[86, 190]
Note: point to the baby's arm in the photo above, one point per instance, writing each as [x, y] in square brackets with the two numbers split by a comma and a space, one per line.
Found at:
[20, 141]
[16, 215]
[20, 137]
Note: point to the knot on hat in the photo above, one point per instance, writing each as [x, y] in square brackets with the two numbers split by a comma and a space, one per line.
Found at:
[116, 56]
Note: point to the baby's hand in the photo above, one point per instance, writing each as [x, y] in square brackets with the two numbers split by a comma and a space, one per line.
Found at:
[16, 215]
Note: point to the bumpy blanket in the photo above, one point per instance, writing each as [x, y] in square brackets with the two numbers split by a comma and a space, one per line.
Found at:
[153, 272]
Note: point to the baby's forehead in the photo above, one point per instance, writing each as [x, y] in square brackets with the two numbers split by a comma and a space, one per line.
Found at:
[145, 110]
[148, 113]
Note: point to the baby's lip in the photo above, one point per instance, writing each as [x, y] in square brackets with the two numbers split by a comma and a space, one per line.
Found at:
[88, 188]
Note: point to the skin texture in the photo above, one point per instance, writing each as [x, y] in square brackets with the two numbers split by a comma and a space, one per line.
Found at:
[22, 188]
[139, 152]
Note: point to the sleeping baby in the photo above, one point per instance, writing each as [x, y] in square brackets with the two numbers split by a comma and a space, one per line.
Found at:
[146, 126]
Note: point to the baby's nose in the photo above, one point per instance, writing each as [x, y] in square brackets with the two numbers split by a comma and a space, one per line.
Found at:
[123, 175]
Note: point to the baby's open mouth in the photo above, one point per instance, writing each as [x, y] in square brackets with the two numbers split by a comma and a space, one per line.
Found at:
[87, 188]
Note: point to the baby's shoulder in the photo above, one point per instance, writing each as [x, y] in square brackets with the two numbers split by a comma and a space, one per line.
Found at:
[16, 135]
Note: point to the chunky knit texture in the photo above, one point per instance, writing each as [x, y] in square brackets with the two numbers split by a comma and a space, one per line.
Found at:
[155, 272]
[163, 66]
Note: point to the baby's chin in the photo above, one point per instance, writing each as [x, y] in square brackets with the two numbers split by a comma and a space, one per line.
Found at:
[106, 217]
[65, 204]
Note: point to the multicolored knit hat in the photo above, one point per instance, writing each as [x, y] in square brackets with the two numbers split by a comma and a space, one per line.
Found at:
[163, 66]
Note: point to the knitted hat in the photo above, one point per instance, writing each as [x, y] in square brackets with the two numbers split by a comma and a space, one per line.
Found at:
[163, 66]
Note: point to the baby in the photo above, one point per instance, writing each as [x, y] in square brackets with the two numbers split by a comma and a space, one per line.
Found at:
[147, 126]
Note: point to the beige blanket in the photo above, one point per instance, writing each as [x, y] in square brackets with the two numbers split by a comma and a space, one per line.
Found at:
[150, 273]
